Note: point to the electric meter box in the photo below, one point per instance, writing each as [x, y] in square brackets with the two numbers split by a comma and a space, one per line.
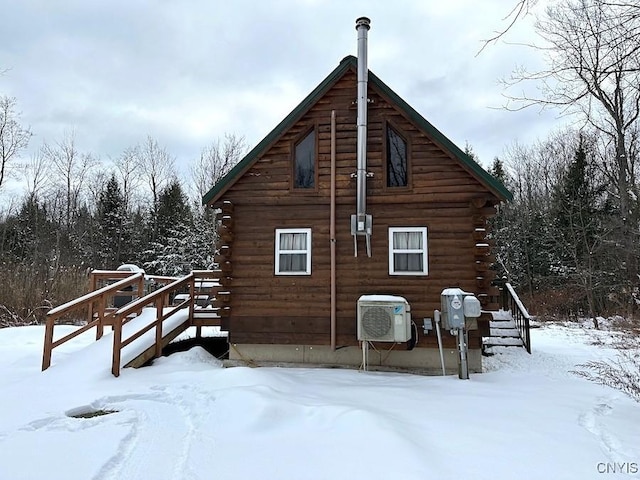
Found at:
[471, 307]
[456, 304]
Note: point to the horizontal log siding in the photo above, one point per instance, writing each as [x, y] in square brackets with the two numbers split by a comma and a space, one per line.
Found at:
[267, 308]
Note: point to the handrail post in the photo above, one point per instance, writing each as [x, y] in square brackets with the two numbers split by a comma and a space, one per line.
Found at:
[117, 345]
[48, 343]
[141, 292]
[192, 298]
[159, 318]
[100, 324]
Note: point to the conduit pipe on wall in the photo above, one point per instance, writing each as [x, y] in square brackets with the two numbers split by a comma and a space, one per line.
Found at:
[332, 229]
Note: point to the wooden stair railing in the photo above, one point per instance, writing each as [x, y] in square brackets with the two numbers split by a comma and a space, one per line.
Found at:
[97, 316]
[159, 299]
[196, 282]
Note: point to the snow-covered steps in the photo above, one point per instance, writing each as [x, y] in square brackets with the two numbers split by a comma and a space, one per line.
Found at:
[502, 332]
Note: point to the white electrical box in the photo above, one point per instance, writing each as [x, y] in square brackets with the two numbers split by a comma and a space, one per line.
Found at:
[384, 318]
[451, 300]
[457, 305]
[471, 307]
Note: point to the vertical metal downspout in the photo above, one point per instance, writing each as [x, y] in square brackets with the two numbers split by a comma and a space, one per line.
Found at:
[332, 229]
[361, 222]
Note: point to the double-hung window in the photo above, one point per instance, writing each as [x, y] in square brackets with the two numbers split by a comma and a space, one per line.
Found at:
[293, 251]
[408, 251]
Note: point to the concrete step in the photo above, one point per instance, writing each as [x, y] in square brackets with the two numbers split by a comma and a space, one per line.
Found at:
[504, 332]
[502, 342]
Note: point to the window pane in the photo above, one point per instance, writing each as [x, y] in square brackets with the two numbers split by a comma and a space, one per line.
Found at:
[305, 162]
[293, 241]
[407, 240]
[293, 262]
[408, 262]
[396, 159]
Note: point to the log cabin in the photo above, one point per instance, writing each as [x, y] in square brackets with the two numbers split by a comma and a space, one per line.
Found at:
[354, 196]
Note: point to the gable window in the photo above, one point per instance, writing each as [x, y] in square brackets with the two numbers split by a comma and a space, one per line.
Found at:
[304, 162]
[408, 251]
[293, 251]
[396, 159]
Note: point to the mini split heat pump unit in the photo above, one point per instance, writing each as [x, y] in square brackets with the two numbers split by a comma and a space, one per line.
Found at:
[384, 318]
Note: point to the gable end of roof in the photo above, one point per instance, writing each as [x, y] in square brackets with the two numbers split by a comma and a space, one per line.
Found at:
[238, 170]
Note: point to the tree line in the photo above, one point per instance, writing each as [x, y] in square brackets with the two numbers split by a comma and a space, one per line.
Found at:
[570, 239]
[78, 213]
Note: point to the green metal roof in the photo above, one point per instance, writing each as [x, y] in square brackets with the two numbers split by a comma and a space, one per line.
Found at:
[350, 61]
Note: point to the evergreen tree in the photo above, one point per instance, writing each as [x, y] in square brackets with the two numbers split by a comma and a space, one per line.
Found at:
[170, 253]
[110, 220]
[579, 210]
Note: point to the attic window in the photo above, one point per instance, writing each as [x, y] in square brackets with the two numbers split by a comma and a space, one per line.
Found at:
[396, 159]
[293, 251]
[304, 162]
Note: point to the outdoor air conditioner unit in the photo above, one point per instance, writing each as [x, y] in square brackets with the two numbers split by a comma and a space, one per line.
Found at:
[384, 318]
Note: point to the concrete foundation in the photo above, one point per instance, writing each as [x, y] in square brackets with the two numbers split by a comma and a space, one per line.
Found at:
[418, 360]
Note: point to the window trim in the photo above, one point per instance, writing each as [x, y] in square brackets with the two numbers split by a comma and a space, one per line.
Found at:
[391, 125]
[424, 250]
[294, 143]
[278, 252]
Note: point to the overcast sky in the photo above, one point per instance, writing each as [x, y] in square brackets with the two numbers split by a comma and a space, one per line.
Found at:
[187, 72]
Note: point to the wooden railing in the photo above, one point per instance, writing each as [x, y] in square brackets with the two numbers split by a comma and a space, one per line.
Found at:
[160, 300]
[95, 303]
[520, 315]
[197, 282]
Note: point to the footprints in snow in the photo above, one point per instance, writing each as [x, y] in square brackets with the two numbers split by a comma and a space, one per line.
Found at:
[591, 421]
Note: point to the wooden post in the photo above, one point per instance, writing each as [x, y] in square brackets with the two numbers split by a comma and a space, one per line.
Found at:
[117, 345]
[192, 299]
[92, 288]
[48, 342]
[100, 324]
[141, 292]
[159, 316]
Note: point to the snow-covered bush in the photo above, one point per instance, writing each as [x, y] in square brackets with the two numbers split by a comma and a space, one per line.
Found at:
[621, 373]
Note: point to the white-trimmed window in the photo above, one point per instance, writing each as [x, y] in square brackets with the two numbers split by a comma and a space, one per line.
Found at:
[408, 251]
[293, 251]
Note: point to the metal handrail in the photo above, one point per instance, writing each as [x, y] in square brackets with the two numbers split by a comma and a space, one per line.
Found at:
[520, 315]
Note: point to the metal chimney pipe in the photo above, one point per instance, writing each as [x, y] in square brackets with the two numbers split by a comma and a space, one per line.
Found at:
[362, 26]
[361, 223]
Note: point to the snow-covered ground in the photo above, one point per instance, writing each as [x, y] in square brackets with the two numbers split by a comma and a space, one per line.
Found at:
[186, 417]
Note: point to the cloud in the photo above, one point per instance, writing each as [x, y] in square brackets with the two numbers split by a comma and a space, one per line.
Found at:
[187, 72]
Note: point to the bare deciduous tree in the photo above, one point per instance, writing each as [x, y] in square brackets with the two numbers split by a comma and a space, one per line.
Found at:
[71, 168]
[36, 174]
[13, 137]
[128, 169]
[519, 10]
[215, 161]
[156, 164]
[592, 71]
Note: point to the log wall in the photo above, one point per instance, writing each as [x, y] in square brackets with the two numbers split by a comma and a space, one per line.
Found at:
[442, 195]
